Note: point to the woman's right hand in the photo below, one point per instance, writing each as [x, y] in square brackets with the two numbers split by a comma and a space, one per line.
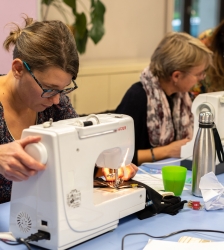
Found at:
[174, 147]
[15, 163]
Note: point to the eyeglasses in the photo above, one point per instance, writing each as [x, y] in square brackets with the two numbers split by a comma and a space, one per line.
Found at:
[199, 76]
[50, 92]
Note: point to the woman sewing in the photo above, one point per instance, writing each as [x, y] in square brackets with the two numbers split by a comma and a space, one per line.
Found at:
[44, 68]
[160, 103]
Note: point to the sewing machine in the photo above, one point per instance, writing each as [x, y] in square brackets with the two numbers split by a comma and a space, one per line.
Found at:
[213, 102]
[61, 200]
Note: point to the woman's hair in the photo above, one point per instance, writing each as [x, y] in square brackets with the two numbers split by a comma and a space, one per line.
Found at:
[215, 80]
[44, 44]
[178, 51]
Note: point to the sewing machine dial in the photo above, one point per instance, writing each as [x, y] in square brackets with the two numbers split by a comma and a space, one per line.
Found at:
[37, 151]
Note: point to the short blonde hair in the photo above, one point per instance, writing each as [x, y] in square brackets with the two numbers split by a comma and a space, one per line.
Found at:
[178, 51]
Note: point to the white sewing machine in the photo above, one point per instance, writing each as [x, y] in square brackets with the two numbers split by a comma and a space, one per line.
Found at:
[61, 200]
[213, 102]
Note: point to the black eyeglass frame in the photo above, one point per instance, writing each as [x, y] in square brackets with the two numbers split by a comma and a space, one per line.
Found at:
[48, 91]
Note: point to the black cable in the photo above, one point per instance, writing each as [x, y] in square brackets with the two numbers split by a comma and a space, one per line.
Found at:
[40, 235]
[171, 234]
[12, 243]
[25, 243]
[15, 243]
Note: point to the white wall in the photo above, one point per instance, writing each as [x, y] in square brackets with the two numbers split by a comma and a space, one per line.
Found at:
[133, 28]
[11, 11]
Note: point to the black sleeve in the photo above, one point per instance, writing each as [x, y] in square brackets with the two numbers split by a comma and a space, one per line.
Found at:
[134, 104]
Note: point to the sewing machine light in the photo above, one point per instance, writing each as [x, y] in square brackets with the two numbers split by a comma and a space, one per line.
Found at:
[110, 158]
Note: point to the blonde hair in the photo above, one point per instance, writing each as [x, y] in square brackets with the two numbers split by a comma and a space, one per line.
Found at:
[44, 44]
[178, 51]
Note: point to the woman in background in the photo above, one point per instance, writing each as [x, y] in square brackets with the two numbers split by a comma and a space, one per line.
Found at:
[214, 81]
[214, 40]
[160, 103]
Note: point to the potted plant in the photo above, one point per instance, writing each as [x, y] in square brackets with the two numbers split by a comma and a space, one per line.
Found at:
[82, 29]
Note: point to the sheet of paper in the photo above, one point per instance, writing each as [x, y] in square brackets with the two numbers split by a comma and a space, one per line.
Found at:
[212, 192]
[188, 239]
[170, 245]
[152, 180]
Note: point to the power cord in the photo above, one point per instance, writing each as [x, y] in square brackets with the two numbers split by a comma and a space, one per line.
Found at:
[18, 242]
[171, 234]
[40, 235]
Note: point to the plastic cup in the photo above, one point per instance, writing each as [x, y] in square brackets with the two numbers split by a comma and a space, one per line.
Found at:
[174, 179]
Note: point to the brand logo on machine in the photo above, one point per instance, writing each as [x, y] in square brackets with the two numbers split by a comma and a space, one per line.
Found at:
[74, 198]
[121, 128]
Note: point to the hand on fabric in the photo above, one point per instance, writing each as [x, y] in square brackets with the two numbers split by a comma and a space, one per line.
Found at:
[174, 147]
[124, 173]
[15, 163]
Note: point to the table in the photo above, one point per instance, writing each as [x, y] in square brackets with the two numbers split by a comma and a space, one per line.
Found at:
[161, 224]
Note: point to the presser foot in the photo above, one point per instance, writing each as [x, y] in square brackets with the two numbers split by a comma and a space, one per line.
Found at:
[114, 175]
[116, 184]
[112, 185]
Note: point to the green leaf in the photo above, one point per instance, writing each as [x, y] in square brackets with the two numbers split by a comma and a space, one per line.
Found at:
[81, 32]
[92, 3]
[47, 2]
[97, 31]
[72, 4]
[98, 11]
[81, 42]
[97, 19]
[80, 24]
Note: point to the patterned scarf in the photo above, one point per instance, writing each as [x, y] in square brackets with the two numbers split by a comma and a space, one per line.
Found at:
[162, 128]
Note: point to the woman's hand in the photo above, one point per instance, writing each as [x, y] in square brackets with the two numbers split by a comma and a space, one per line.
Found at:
[124, 173]
[174, 147]
[15, 163]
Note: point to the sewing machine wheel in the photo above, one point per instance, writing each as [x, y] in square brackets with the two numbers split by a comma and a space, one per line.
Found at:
[37, 151]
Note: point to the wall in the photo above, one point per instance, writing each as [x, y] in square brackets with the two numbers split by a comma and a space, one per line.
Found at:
[133, 28]
[11, 11]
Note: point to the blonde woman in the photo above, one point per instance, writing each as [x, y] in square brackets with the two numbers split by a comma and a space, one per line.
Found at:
[160, 103]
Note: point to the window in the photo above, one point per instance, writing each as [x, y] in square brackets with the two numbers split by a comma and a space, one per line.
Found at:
[196, 16]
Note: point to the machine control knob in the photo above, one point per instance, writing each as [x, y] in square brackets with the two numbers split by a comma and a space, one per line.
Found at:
[37, 151]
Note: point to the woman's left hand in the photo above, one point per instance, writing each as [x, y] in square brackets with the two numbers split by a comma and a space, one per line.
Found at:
[124, 173]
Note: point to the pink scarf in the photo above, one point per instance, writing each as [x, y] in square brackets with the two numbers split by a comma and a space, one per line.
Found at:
[161, 125]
